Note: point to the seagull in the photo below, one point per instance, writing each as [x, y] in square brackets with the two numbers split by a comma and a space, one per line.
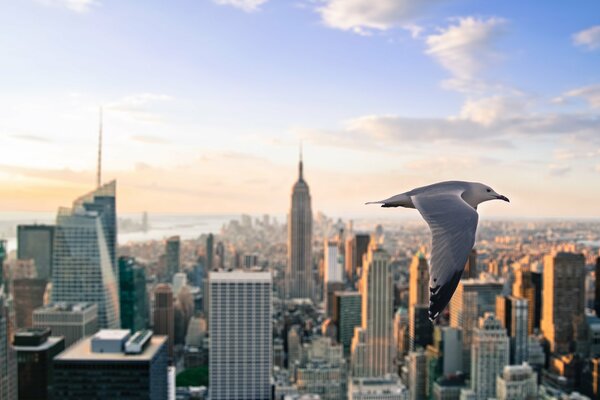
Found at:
[450, 210]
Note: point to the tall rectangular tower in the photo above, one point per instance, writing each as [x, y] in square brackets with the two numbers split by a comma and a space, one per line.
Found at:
[420, 328]
[564, 298]
[240, 335]
[164, 314]
[34, 242]
[172, 256]
[490, 355]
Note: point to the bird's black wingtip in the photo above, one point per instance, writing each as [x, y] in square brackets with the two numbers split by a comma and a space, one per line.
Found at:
[440, 295]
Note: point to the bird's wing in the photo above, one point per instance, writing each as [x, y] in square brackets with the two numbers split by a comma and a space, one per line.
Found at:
[453, 224]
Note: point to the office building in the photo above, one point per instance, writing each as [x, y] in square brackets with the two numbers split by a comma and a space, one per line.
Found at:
[513, 313]
[132, 295]
[113, 364]
[472, 299]
[470, 271]
[448, 387]
[490, 354]
[172, 256]
[164, 314]
[517, 382]
[377, 312]
[401, 332]
[444, 356]
[417, 374]
[356, 247]
[333, 273]
[322, 370]
[73, 321]
[8, 357]
[210, 252]
[84, 245]
[35, 242]
[346, 316]
[597, 287]
[294, 344]
[564, 299]
[299, 272]
[388, 387]
[35, 351]
[240, 335]
[528, 285]
[420, 328]
[28, 294]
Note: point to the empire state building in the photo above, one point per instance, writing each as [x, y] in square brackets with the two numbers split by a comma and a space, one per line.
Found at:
[299, 267]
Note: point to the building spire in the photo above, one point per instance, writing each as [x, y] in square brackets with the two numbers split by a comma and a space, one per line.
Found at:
[300, 166]
[99, 168]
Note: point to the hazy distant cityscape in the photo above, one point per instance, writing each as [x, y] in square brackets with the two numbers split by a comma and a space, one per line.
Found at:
[302, 307]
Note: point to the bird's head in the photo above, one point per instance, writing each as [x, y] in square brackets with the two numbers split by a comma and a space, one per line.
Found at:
[477, 193]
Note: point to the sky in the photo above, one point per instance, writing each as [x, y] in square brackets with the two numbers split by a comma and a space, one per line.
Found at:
[205, 102]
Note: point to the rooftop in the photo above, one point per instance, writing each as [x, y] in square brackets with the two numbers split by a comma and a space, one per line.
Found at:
[240, 276]
[82, 351]
[69, 307]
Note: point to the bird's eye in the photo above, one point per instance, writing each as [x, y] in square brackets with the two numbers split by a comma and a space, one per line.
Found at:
[489, 190]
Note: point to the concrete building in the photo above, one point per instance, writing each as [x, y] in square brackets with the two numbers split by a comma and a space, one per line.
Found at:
[420, 328]
[564, 299]
[28, 294]
[517, 382]
[322, 370]
[35, 351]
[472, 299]
[417, 374]
[388, 387]
[490, 354]
[444, 356]
[241, 357]
[73, 321]
[8, 356]
[377, 313]
[299, 273]
[113, 364]
[356, 247]
[528, 285]
[172, 256]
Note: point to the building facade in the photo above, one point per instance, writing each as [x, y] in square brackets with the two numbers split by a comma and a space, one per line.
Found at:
[35, 242]
[164, 314]
[73, 321]
[132, 295]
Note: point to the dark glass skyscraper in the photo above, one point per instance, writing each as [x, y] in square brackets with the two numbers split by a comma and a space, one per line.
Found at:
[299, 268]
[172, 248]
[132, 295]
[34, 242]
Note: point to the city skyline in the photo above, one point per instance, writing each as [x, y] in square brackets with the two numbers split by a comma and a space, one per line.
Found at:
[401, 96]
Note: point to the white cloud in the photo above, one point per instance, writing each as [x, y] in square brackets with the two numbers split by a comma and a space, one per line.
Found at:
[246, 5]
[466, 48]
[79, 6]
[591, 94]
[588, 38]
[364, 16]
[489, 110]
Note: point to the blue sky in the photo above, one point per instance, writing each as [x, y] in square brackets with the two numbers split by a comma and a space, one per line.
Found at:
[206, 101]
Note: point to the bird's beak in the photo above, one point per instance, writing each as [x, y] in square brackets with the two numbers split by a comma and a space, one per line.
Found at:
[500, 197]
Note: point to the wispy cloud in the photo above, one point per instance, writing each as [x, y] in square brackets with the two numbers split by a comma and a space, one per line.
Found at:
[78, 6]
[365, 16]
[559, 169]
[138, 106]
[588, 38]
[245, 5]
[591, 94]
[466, 48]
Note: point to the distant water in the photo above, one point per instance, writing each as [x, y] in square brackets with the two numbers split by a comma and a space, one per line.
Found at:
[188, 226]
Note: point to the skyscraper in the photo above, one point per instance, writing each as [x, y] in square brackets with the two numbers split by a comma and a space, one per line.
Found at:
[132, 295]
[210, 252]
[346, 315]
[528, 285]
[8, 359]
[420, 329]
[377, 312]
[470, 271]
[299, 268]
[417, 374]
[334, 274]
[164, 314]
[28, 295]
[240, 335]
[517, 382]
[513, 313]
[72, 321]
[356, 247]
[597, 298]
[444, 356]
[472, 299]
[35, 350]
[564, 298]
[172, 248]
[84, 246]
[34, 242]
[490, 354]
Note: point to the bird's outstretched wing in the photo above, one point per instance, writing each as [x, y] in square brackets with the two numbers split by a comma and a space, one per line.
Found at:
[453, 224]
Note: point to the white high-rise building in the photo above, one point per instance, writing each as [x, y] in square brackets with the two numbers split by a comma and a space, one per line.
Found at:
[333, 268]
[377, 314]
[240, 335]
[83, 264]
[417, 374]
[517, 382]
[489, 355]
